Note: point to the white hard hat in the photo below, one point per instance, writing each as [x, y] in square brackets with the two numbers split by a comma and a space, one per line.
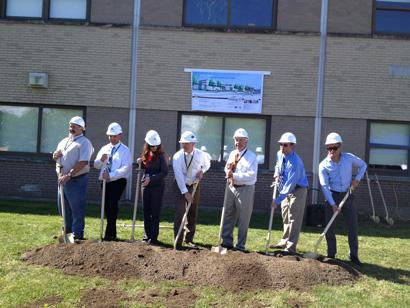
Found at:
[188, 137]
[225, 147]
[259, 149]
[333, 138]
[287, 138]
[240, 132]
[77, 120]
[114, 129]
[152, 138]
[203, 148]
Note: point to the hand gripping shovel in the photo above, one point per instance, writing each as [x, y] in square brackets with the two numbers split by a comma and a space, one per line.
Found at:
[272, 210]
[137, 192]
[184, 218]
[314, 254]
[219, 249]
[68, 238]
[374, 217]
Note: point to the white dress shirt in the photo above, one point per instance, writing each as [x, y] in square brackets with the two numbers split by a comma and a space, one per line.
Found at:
[200, 161]
[121, 164]
[246, 169]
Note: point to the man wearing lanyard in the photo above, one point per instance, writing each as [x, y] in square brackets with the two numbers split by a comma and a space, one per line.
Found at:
[291, 176]
[114, 160]
[189, 165]
[241, 171]
[73, 155]
[335, 176]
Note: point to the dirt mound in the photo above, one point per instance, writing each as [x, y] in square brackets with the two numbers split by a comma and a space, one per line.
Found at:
[233, 271]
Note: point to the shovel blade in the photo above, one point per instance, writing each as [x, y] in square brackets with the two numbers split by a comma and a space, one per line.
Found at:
[311, 255]
[219, 249]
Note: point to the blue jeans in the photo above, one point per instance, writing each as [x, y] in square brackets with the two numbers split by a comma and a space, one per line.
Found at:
[75, 200]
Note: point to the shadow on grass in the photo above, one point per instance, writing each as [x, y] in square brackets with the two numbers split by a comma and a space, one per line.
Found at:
[378, 272]
[209, 216]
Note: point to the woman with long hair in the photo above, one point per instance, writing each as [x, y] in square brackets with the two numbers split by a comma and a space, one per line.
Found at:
[155, 166]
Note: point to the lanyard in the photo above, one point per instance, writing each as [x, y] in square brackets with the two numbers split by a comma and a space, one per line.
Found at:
[190, 162]
[70, 141]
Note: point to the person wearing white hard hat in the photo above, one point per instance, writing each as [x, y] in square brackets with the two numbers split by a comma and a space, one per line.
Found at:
[73, 156]
[291, 177]
[189, 165]
[335, 177]
[115, 162]
[155, 165]
[241, 172]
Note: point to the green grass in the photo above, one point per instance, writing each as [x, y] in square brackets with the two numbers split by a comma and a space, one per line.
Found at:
[385, 251]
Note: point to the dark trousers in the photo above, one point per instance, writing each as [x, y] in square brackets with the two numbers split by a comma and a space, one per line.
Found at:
[152, 204]
[181, 204]
[113, 192]
[349, 213]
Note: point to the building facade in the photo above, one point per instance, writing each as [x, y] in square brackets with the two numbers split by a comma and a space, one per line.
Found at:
[84, 48]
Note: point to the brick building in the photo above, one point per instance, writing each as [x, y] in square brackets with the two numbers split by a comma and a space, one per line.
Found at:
[84, 47]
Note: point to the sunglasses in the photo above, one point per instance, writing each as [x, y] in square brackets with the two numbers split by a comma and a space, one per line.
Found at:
[152, 146]
[332, 148]
[285, 145]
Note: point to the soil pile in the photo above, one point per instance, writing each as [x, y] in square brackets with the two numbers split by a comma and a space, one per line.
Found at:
[234, 271]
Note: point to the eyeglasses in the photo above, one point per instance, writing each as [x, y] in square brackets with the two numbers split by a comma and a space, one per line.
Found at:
[285, 145]
[335, 148]
[152, 146]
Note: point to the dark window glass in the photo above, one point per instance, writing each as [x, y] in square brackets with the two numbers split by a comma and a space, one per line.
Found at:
[206, 12]
[252, 13]
[392, 16]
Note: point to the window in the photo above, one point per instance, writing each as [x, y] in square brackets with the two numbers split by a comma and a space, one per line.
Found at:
[24, 8]
[33, 129]
[389, 146]
[68, 9]
[229, 13]
[392, 16]
[215, 133]
[45, 9]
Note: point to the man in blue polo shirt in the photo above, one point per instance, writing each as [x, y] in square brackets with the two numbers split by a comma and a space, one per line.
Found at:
[335, 176]
[293, 183]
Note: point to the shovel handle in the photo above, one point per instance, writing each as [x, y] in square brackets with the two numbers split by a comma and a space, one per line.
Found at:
[275, 188]
[382, 196]
[62, 205]
[370, 192]
[181, 226]
[137, 193]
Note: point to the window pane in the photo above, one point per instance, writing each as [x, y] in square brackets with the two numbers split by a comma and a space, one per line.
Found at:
[256, 129]
[18, 129]
[393, 134]
[68, 9]
[208, 131]
[206, 12]
[388, 157]
[252, 13]
[24, 8]
[54, 127]
[400, 4]
[388, 21]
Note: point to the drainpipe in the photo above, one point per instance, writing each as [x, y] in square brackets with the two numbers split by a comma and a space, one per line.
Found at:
[133, 89]
[319, 101]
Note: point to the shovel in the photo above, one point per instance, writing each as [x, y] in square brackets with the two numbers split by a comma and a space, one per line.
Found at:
[219, 249]
[389, 220]
[314, 254]
[102, 209]
[184, 218]
[67, 237]
[272, 210]
[374, 217]
[137, 192]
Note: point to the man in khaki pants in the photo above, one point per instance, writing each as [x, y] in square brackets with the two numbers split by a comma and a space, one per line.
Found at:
[291, 176]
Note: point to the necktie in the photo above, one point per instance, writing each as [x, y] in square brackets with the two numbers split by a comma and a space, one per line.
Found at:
[237, 158]
[110, 159]
[282, 174]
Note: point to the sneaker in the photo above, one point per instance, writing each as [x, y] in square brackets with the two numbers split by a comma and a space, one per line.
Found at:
[192, 245]
[355, 260]
[277, 246]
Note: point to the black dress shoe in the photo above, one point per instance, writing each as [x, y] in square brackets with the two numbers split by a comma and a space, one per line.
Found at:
[331, 256]
[110, 238]
[229, 247]
[355, 260]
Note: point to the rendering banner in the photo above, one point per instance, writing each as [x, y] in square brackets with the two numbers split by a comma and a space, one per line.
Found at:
[227, 91]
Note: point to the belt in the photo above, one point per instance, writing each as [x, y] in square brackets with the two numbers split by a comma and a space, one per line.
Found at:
[338, 192]
[236, 186]
[79, 176]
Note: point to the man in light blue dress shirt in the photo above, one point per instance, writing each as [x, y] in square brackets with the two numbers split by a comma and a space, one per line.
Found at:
[293, 183]
[335, 176]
